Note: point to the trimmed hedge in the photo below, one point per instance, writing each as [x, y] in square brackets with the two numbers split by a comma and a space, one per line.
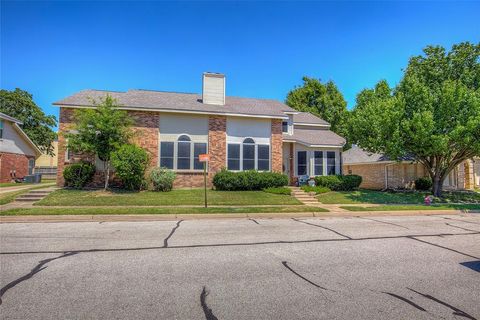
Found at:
[162, 179]
[338, 182]
[78, 175]
[316, 189]
[423, 184]
[248, 180]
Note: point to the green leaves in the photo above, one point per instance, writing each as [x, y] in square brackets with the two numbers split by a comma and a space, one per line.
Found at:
[36, 124]
[433, 114]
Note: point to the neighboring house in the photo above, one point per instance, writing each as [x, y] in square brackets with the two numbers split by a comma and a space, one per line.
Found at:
[17, 151]
[237, 133]
[379, 172]
[47, 164]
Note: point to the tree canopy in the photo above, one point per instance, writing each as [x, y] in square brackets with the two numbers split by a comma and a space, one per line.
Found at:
[433, 114]
[101, 130]
[321, 99]
[37, 125]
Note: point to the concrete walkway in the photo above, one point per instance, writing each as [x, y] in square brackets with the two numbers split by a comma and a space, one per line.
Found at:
[39, 194]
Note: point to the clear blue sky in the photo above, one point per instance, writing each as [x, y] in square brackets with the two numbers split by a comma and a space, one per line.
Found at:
[53, 49]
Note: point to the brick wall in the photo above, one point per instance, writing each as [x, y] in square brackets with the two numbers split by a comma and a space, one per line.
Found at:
[13, 161]
[400, 175]
[276, 141]
[217, 143]
[145, 128]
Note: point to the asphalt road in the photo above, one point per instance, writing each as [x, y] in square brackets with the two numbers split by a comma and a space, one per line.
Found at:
[424, 267]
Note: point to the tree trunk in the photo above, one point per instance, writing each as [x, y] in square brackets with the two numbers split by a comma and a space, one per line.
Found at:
[437, 187]
[106, 167]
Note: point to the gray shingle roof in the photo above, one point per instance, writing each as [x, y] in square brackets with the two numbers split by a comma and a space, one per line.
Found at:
[317, 137]
[306, 117]
[357, 155]
[171, 101]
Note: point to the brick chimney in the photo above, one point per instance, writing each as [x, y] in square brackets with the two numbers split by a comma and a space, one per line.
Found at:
[213, 88]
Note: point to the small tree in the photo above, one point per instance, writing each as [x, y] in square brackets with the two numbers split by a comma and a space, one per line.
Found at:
[101, 131]
[432, 115]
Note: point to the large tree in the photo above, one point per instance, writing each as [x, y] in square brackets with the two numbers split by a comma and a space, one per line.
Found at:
[321, 99]
[36, 124]
[432, 115]
[100, 131]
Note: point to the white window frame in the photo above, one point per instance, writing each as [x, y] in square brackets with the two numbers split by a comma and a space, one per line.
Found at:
[175, 153]
[255, 156]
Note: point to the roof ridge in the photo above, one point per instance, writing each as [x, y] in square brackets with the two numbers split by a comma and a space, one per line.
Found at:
[165, 91]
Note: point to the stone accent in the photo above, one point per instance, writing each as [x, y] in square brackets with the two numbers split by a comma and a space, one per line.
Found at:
[217, 144]
[469, 183]
[10, 162]
[276, 145]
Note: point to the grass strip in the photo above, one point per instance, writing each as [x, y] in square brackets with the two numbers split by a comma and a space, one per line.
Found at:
[140, 210]
[414, 207]
[175, 197]
[10, 196]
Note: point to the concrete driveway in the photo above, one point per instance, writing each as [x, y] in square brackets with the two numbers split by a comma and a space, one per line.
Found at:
[423, 267]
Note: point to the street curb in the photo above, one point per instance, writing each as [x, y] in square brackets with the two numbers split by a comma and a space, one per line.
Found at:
[168, 217]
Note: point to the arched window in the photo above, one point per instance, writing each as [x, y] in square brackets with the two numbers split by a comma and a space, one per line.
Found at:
[184, 152]
[248, 154]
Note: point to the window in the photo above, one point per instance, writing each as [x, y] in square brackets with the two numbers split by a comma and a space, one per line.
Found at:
[183, 153]
[263, 157]
[1, 129]
[233, 157]
[248, 154]
[285, 126]
[301, 163]
[318, 163]
[330, 163]
[166, 155]
[198, 148]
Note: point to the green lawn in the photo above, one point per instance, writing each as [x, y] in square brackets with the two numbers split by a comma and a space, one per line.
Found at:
[10, 196]
[475, 207]
[379, 197]
[14, 184]
[172, 198]
[172, 210]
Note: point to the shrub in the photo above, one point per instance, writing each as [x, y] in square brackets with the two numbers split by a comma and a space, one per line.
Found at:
[278, 190]
[423, 183]
[130, 163]
[248, 180]
[78, 175]
[339, 183]
[316, 189]
[162, 179]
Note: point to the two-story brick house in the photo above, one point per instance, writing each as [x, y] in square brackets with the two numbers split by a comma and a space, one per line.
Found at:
[238, 133]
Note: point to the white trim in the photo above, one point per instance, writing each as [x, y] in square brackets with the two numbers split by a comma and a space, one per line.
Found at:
[311, 124]
[314, 145]
[181, 111]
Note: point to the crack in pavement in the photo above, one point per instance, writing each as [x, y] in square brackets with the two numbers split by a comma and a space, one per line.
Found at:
[254, 220]
[410, 302]
[452, 225]
[446, 248]
[39, 267]
[206, 310]
[285, 264]
[326, 228]
[456, 312]
[393, 224]
[165, 241]
[242, 244]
